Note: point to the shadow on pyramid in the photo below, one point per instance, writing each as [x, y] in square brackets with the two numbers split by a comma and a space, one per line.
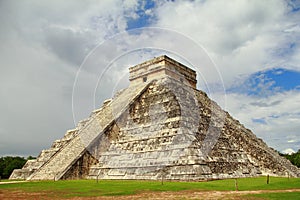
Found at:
[161, 126]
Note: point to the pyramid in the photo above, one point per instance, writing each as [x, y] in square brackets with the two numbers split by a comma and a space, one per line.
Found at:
[161, 126]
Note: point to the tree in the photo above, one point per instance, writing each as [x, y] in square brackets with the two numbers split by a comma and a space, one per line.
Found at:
[294, 158]
[31, 158]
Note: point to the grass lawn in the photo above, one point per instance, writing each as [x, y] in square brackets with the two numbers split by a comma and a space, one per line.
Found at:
[72, 188]
[277, 195]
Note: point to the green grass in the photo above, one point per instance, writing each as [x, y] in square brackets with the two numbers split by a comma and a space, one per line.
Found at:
[73, 188]
[277, 196]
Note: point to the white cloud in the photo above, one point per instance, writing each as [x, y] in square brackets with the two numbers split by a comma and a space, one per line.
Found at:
[239, 35]
[43, 44]
[288, 151]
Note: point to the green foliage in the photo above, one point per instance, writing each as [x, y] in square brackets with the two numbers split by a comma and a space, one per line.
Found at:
[9, 163]
[31, 158]
[294, 158]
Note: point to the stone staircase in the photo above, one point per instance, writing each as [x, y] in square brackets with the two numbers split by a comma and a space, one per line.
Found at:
[100, 119]
[53, 168]
[31, 166]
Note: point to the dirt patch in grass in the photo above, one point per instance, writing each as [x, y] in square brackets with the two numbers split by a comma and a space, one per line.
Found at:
[14, 195]
[11, 194]
[235, 195]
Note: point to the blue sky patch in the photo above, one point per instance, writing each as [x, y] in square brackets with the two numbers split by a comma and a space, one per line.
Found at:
[144, 19]
[295, 5]
[268, 82]
[259, 121]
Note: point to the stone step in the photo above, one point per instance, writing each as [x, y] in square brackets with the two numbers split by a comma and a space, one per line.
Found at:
[63, 160]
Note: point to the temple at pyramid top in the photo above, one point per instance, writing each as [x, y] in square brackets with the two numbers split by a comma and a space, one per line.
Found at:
[160, 67]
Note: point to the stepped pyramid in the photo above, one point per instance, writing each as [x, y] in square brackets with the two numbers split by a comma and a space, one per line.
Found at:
[160, 126]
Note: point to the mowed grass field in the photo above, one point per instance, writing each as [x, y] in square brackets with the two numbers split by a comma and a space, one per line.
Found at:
[106, 188]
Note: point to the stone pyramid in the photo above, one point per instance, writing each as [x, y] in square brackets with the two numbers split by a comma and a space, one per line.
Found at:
[160, 126]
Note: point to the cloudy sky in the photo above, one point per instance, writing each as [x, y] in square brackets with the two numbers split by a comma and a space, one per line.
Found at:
[60, 59]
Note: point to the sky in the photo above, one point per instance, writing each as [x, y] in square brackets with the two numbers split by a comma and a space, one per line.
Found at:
[59, 60]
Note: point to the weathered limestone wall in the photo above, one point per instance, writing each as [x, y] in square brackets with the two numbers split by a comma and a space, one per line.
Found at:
[161, 67]
[145, 145]
[262, 156]
[80, 169]
[151, 138]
